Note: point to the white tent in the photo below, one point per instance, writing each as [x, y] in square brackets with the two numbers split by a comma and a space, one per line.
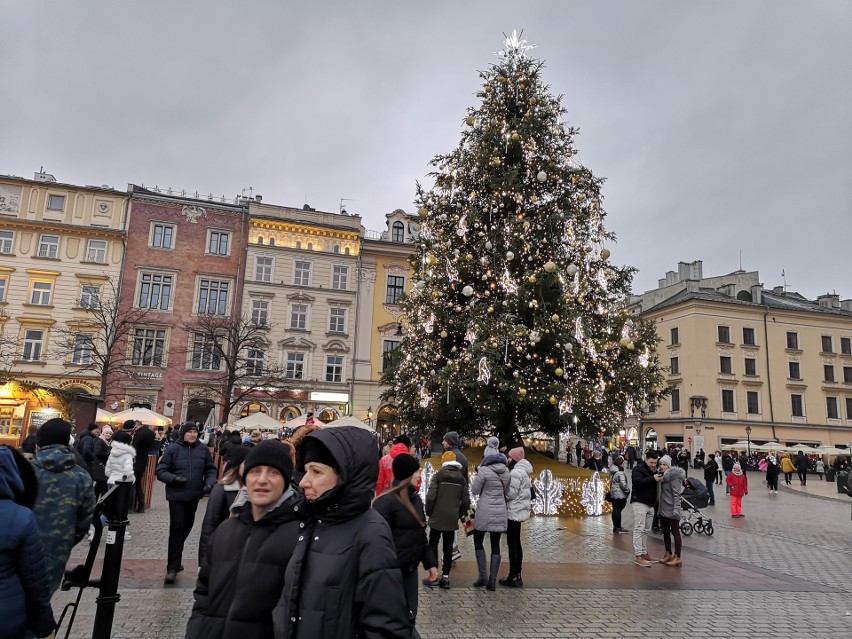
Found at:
[104, 417]
[300, 421]
[349, 421]
[771, 447]
[143, 415]
[261, 421]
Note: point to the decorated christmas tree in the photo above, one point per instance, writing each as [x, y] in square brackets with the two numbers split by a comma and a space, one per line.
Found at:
[517, 320]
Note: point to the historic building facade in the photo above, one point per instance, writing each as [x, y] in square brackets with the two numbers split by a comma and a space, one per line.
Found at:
[748, 363]
[60, 248]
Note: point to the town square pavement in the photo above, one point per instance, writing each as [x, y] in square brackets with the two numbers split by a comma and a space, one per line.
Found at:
[785, 570]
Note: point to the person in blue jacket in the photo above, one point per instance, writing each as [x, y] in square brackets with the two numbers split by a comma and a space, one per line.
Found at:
[24, 585]
[187, 470]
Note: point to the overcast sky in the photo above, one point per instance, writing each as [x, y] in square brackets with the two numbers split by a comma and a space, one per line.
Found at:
[720, 126]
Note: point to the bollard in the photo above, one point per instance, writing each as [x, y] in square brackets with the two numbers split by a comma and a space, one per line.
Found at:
[115, 508]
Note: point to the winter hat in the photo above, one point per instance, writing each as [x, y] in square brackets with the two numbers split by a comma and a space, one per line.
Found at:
[53, 431]
[452, 438]
[122, 437]
[186, 428]
[738, 470]
[665, 459]
[517, 454]
[404, 466]
[492, 447]
[270, 453]
[129, 424]
[402, 439]
[448, 456]
[92, 427]
[237, 456]
[313, 450]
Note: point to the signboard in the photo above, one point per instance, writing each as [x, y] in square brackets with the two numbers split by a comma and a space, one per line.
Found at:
[39, 418]
[320, 396]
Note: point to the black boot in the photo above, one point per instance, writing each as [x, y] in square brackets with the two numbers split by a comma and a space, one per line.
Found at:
[480, 563]
[517, 582]
[495, 568]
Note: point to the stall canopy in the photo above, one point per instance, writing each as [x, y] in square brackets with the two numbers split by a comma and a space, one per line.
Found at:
[261, 421]
[300, 421]
[105, 417]
[347, 421]
[144, 415]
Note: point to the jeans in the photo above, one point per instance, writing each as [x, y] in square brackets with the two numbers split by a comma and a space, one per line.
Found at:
[516, 551]
[642, 515]
[447, 537]
[727, 488]
[617, 506]
[788, 477]
[181, 519]
[671, 528]
[709, 484]
[803, 476]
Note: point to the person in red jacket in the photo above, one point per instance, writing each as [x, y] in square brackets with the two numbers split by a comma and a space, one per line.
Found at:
[401, 445]
[738, 485]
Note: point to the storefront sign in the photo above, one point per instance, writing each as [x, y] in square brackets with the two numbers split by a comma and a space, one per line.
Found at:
[39, 418]
[337, 398]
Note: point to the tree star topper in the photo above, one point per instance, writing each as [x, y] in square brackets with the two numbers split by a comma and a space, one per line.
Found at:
[515, 43]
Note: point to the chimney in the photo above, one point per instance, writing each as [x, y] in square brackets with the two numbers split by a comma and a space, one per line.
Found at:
[258, 198]
[757, 293]
[690, 270]
[692, 286]
[829, 300]
[671, 278]
[778, 290]
[727, 289]
[40, 176]
[846, 305]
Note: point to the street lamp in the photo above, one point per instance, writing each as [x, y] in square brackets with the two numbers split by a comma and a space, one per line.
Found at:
[369, 420]
[748, 439]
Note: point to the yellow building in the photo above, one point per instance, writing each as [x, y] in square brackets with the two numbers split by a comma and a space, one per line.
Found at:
[61, 246]
[749, 364]
[385, 276]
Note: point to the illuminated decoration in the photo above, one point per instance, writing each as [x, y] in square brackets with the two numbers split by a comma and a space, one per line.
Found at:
[425, 398]
[593, 495]
[461, 231]
[564, 407]
[452, 272]
[508, 283]
[484, 371]
[470, 336]
[429, 324]
[548, 494]
[426, 474]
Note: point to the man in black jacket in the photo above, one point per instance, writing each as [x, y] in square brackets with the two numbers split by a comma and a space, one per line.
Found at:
[710, 470]
[143, 439]
[187, 470]
[643, 498]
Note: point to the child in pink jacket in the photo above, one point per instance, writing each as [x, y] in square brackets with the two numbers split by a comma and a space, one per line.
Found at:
[739, 487]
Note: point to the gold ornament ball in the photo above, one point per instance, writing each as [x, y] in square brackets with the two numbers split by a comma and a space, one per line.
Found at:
[559, 372]
[533, 198]
[552, 400]
[423, 212]
[444, 334]
[631, 346]
[605, 254]
[490, 309]
[554, 318]
[549, 267]
[430, 259]
[533, 100]
[581, 197]
[470, 120]
[488, 88]
[515, 136]
[531, 279]
[522, 392]
[469, 257]
[624, 342]
[435, 294]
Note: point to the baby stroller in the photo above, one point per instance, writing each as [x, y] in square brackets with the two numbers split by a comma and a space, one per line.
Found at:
[694, 497]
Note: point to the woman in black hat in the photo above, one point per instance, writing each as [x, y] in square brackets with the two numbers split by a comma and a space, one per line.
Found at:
[221, 499]
[343, 579]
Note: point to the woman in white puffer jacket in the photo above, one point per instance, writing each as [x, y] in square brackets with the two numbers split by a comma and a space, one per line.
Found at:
[519, 499]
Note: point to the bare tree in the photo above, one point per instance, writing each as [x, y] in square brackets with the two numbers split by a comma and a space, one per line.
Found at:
[98, 342]
[8, 346]
[235, 352]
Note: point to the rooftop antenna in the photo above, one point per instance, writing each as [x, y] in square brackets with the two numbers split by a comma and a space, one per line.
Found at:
[784, 277]
[741, 259]
[342, 206]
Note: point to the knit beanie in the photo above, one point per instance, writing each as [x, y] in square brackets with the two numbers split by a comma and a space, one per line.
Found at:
[517, 454]
[404, 466]
[187, 427]
[313, 450]
[53, 431]
[237, 455]
[92, 427]
[129, 424]
[122, 437]
[492, 447]
[448, 456]
[452, 438]
[665, 459]
[270, 453]
[402, 439]
[738, 470]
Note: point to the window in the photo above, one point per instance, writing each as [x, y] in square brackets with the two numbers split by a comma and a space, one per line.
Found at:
[794, 370]
[398, 232]
[750, 366]
[675, 399]
[4, 282]
[792, 340]
[271, 241]
[263, 269]
[340, 277]
[797, 406]
[212, 297]
[254, 361]
[299, 316]
[84, 344]
[302, 273]
[752, 403]
[334, 368]
[33, 345]
[335, 249]
[396, 286]
[831, 408]
[728, 401]
[748, 336]
[7, 239]
[55, 202]
[828, 372]
[219, 243]
[388, 347]
[724, 334]
[40, 293]
[162, 236]
[675, 335]
[827, 346]
[846, 346]
[155, 291]
[96, 251]
[337, 320]
[260, 312]
[294, 367]
[149, 344]
[847, 372]
[90, 296]
[849, 408]
[725, 365]
[674, 364]
[48, 246]
[207, 352]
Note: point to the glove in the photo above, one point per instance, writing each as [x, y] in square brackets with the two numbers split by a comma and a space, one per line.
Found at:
[207, 490]
[179, 481]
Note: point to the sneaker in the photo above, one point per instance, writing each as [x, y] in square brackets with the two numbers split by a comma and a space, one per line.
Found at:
[127, 535]
[431, 584]
[444, 582]
[640, 560]
[456, 554]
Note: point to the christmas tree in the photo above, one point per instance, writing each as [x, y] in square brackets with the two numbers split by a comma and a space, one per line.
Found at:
[517, 320]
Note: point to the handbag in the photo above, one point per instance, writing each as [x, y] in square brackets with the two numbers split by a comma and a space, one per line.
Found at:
[608, 496]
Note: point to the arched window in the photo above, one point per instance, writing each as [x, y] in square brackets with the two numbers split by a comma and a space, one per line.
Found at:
[298, 245]
[260, 239]
[336, 248]
[310, 246]
[271, 241]
[398, 232]
[346, 251]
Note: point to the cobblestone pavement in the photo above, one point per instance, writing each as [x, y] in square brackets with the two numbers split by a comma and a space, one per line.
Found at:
[784, 569]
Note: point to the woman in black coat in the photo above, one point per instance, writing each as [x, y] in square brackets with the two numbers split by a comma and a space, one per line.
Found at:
[242, 572]
[343, 580]
[402, 508]
[221, 499]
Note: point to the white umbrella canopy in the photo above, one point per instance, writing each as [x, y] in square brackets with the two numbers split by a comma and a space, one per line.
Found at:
[261, 421]
[738, 445]
[805, 449]
[143, 415]
[105, 417]
[300, 421]
[830, 450]
[348, 421]
[770, 447]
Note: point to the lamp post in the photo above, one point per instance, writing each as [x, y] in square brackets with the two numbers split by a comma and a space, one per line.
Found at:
[748, 440]
[369, 420]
